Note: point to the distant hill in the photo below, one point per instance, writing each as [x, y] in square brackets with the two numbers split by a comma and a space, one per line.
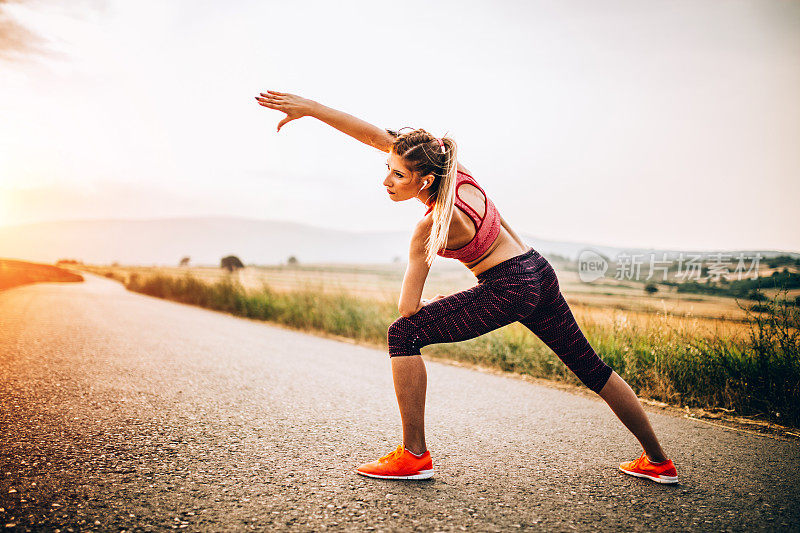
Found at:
[206, 239]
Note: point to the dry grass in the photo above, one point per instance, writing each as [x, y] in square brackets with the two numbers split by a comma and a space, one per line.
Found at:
[14, 273]
[700, 315]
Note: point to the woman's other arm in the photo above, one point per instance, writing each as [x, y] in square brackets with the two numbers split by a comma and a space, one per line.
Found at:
[296, 106]
[416, 272]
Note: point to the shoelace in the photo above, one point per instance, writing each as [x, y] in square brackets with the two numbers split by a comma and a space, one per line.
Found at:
[637, 463]
[644, 461]
[391, 455]
[641, 461]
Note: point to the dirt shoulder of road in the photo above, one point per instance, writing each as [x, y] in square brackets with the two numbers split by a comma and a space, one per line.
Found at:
[14, 273]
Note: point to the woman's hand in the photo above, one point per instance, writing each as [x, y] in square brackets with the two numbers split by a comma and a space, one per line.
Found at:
[437, 297]
[294, 106]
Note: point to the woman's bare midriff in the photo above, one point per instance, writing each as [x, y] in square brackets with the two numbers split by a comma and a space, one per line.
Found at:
[504, 247]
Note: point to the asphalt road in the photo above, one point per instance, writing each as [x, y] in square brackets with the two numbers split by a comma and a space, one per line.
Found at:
[126, 412]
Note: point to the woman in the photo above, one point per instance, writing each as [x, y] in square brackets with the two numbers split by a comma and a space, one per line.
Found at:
[515, 283]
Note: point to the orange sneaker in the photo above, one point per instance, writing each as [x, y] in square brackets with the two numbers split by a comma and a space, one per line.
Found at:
[642, 467]
[399, 464]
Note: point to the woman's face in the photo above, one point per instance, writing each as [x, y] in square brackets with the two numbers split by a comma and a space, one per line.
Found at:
[400, 183]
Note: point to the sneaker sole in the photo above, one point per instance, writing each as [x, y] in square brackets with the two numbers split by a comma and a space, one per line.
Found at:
[423, 474]
[657, 479]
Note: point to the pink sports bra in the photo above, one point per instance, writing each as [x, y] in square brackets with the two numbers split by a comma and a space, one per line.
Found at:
[486, 229]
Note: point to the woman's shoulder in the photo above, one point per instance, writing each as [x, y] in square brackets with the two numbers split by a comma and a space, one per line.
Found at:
[465, 177]
[421, 233]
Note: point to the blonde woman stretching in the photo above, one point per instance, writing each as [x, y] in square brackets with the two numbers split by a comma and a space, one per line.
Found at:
[515, 283]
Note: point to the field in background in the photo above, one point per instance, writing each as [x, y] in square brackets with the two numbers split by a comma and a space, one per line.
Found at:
[749, 365]
[604, 303]
[14, 273]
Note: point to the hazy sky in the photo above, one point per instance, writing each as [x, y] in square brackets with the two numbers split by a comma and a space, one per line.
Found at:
[627, 123]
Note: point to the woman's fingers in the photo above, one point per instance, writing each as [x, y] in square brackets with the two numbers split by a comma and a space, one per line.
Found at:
[271, 103]
[268, 103]
[269, 99]
[294, 106]
[284, 121]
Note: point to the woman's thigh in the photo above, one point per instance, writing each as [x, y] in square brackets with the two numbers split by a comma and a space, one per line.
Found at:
[463, 315]
[554, 323]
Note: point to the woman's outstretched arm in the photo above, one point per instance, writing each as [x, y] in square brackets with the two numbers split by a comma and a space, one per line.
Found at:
[296, 106]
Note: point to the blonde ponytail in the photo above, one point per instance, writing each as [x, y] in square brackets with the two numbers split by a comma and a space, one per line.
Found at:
[442, 212]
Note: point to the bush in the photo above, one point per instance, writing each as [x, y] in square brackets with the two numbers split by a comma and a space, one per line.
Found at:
[757, 295]
[231, 263]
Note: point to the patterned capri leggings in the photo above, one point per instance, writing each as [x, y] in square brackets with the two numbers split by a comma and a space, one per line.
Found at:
[523, 288]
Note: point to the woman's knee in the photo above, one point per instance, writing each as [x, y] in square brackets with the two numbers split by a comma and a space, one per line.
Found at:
[587, 365]
[598, 377]
[403, 337]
